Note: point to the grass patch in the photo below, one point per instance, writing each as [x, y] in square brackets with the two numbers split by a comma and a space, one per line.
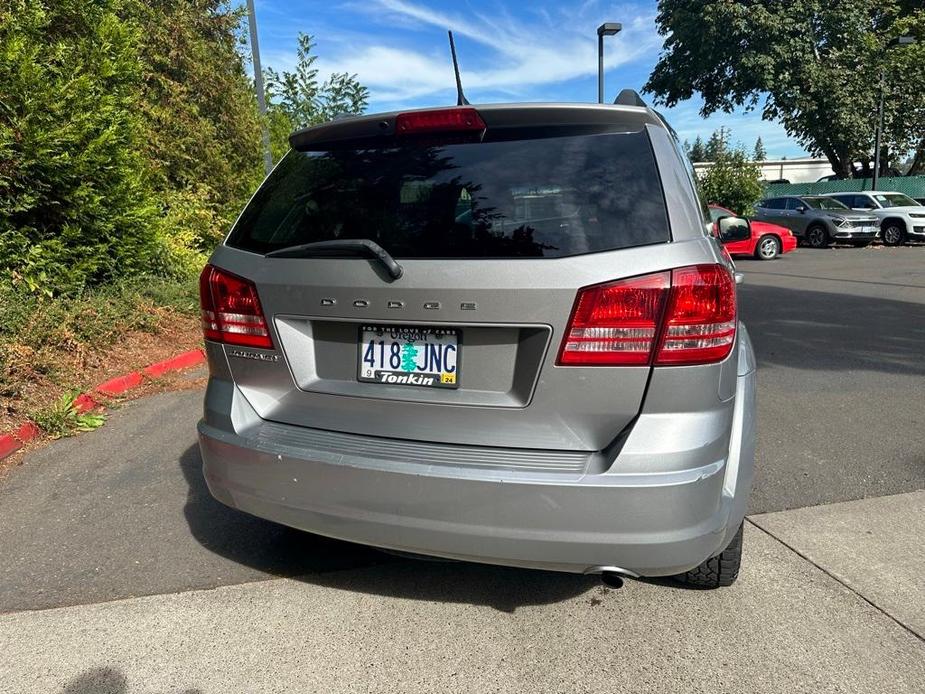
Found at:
[43, 337]
[62, 418]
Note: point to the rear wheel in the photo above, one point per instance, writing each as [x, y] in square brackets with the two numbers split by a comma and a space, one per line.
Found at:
[719, 571]
[893, 234]
[768, 248]
[817, 236]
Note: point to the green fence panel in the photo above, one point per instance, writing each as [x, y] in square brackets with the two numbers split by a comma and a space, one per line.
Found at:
[913, 186]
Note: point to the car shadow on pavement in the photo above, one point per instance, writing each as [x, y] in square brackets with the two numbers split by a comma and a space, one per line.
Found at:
[286, 552]
[105, 680]
[815, 330]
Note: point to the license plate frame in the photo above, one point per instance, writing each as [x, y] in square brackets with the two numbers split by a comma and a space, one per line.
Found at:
[446, 380]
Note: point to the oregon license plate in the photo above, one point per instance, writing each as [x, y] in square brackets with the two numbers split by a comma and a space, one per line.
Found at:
[409, 356]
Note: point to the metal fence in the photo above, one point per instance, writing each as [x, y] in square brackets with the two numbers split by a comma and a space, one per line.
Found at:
[913, 186]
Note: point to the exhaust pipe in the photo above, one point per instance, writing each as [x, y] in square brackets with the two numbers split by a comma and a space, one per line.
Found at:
[612, 579]
[612, 576]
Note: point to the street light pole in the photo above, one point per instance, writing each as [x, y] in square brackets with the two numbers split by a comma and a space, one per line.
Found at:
[898, 41]
[606, 29]
[258, 87]
[879, 134]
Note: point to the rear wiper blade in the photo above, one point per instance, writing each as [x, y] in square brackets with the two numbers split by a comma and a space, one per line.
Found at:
[358, 246]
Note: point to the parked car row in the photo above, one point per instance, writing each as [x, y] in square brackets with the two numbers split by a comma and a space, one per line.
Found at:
[819, 220]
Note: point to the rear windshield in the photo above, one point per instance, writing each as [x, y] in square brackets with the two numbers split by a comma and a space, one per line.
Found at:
[548, 197]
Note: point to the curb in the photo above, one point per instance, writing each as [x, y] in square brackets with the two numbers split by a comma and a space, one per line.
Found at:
[12, 441]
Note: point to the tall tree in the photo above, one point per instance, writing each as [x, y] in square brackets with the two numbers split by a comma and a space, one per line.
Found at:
[202, 127]
[698, 150]
[299, 99]
[812, 65]
[75, 207]
[759, 153]
[718, 144]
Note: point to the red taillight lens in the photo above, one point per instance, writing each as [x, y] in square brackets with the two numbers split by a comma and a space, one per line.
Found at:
[442, 120]
[700, 323]
[615, 324]
[231, 311]
[686, 316]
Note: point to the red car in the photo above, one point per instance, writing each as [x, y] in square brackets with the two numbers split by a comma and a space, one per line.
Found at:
[767, 240]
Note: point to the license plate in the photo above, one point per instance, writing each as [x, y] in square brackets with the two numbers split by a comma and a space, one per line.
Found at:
[409, 356]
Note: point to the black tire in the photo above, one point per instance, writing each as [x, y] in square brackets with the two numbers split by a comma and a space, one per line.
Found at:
[767, 248]
[719, 571]
[817, 236]
[893, 233]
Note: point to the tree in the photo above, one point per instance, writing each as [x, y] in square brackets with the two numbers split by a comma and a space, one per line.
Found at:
[75, 205]
[811, 65]
[698, 150]
[717, 145]
[733, 182]
[760, 153]
[297, 99]
[202, 128]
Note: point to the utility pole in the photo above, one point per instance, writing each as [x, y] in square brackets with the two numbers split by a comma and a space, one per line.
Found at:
[258, 87]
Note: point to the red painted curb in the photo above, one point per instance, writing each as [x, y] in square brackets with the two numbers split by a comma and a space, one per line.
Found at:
[28, 431]
[120, 384]
[10, 443]
[181, 361]
[85, 403]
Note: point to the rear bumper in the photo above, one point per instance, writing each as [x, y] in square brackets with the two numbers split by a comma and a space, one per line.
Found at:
[649, 523]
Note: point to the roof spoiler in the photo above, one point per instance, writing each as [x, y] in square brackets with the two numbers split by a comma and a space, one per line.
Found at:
[629, 97]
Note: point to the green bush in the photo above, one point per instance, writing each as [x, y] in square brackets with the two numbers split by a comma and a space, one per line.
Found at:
[75, 206]
[199, 115]
[129, 138]
[732, 181]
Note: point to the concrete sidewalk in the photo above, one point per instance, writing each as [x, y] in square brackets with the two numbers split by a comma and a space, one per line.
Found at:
[786, 626]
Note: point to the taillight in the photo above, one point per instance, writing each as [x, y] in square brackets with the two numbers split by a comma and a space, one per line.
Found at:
[231, 311]
[615, 324]
[441, 120]
[700, 321]
[685, 316]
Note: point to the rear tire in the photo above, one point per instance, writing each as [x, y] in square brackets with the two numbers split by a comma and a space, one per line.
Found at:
[768, 248]
[817, 236]
[719, 571]
[894, 234]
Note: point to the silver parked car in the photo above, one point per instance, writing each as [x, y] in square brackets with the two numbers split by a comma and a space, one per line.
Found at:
[901, 217]
[503, 335]
[819, 220]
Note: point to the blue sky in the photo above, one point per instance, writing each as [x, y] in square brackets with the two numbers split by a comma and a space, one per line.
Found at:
[508, 51]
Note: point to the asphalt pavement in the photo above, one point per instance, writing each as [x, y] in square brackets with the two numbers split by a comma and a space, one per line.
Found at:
[121, 574]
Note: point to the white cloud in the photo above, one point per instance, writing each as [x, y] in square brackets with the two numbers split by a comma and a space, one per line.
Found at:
[519, 53]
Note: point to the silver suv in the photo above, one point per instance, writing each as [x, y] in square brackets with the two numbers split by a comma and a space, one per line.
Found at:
[504, 335]
[901, 217]
[819, 219]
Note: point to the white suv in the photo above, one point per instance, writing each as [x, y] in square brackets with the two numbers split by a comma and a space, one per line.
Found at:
[901, 217]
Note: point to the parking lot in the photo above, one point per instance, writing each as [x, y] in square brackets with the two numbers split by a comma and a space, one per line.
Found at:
[122, 574]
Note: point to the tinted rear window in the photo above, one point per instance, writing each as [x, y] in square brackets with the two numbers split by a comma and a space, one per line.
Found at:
[548, 197]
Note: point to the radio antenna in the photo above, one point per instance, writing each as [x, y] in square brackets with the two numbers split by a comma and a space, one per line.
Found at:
[461, 99]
